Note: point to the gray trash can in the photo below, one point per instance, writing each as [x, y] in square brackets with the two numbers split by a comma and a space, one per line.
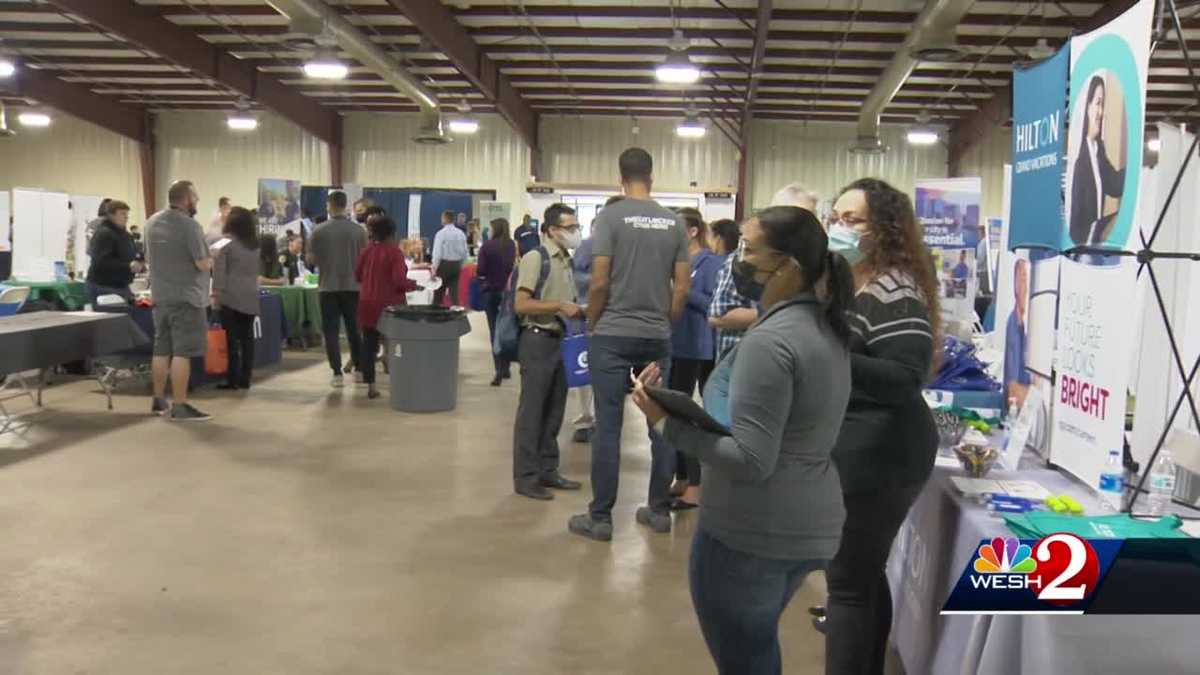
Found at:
[423, 356]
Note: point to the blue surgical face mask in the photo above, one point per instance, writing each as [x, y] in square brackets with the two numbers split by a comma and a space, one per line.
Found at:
[845, 241]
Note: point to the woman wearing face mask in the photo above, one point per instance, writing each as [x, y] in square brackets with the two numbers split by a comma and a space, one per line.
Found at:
[1094, 177]
[692, 347]
[888, 441]
[772, 508]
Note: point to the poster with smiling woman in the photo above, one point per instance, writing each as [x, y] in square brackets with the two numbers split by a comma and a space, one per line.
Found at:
[1107, 118]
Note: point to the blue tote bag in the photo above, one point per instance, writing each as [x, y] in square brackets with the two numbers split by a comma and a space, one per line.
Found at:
[575, 357]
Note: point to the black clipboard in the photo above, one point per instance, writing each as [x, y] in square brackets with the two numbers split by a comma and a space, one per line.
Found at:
[678, 404]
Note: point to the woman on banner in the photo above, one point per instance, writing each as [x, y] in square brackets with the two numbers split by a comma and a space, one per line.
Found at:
[888, 440]
[1094, 177]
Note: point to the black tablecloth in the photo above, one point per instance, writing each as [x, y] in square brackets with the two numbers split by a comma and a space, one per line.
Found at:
[46, 339]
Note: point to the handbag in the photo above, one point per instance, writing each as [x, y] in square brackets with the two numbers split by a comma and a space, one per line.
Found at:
[216, 358]
[574, 350]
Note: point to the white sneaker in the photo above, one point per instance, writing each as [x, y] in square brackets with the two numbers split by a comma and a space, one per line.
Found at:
[337, 382]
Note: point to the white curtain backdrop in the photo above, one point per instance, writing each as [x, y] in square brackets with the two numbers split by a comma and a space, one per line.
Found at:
[380, 152]
[584, 150]
[198, 146]
[74, 157]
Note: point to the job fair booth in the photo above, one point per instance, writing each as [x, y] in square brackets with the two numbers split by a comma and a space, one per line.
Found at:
[1037, 536]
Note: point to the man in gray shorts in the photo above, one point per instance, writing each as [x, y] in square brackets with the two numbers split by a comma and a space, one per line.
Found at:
[180, 265]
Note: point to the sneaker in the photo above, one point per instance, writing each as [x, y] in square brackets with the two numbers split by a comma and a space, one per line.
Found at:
[582, 436]
[584, 526]
[659, 522]
[337, 382]
[159, 407]
[373, 393]
[186, 412]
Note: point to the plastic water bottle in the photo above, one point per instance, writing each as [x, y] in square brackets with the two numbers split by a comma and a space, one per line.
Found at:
[1112, 482]
[1162, 482]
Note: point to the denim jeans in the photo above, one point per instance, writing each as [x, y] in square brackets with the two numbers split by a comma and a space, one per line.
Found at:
[611, 359]
[739, 598]
[491, 306]
[338, 308]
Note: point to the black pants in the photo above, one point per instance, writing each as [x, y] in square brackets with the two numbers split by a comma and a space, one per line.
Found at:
[685, 375]
[239, 340]
[491, 306]
[860, 601]
[542, 405]
[448, 271]
[371, 341]
[340, 306]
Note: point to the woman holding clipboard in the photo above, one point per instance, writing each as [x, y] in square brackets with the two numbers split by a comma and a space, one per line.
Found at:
[772, 509]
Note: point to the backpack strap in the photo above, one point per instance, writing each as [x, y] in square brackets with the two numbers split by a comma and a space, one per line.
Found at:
[544, 274]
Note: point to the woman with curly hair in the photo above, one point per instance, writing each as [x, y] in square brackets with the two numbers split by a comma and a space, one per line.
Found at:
[888, 441]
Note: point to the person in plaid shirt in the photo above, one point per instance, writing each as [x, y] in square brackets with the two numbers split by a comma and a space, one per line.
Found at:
[730, 312]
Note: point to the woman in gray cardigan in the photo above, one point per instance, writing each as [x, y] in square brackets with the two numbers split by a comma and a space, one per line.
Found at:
[772, 509]
[235, 293]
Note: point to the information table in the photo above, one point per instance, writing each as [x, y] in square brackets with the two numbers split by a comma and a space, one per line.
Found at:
[940, 536]
[68, 295]
[302, 309]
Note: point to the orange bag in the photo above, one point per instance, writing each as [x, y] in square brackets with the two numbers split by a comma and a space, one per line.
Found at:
[216, 359]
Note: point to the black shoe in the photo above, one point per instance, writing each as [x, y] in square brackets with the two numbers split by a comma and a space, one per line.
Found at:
[159, 407]
[584, 526]
[678, 504]
[228, 387]
[186, 412]
[534, 491]
[817, 610]
[582, 436]
[557, 482]
[496, 381]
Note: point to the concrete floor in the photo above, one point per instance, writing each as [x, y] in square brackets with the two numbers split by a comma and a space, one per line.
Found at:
[306, 530]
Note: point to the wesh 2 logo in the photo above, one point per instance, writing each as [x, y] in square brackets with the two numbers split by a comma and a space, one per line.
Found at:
[1058, 570]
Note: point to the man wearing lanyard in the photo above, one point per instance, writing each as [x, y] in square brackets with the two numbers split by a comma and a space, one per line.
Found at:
[449, 252]
[544, 305]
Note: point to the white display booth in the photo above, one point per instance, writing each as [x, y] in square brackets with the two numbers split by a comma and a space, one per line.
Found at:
[41, 221]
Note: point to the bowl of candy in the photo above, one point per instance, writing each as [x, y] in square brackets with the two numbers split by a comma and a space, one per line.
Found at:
[950, 428]
[977, 456]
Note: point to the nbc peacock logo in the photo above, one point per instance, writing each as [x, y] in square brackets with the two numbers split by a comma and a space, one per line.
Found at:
[1005, 556]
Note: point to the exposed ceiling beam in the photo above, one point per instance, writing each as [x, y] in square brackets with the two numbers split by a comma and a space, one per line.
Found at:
[181, 45]
[77, 101]
[437, 23]
[969, 131]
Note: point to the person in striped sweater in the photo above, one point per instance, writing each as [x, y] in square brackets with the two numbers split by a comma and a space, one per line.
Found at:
[888, 441]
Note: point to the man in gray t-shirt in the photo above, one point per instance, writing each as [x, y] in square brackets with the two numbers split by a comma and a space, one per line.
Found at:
[640, 280]
[334, 249]
[179, 264]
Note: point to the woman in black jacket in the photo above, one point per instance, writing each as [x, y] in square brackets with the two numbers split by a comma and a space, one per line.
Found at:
[888, 441]
[114, 256]
[1094, 177]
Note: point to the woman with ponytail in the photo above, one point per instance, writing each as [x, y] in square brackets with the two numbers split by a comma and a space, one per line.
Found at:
[772, 508]
[888, 442]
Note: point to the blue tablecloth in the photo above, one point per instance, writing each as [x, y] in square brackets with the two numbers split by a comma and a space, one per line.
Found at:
[936, 541]
[268, 343]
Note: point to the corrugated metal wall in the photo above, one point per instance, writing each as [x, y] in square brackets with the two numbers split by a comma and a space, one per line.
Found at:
[584, 151]
[75, 157]
[987, 160]
[816, 155]
[198, 146]
[379, 151]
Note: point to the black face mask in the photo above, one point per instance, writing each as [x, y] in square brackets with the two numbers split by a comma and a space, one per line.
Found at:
[744, 280]
[361, 218]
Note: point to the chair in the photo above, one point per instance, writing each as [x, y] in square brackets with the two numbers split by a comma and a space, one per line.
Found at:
[12, 298]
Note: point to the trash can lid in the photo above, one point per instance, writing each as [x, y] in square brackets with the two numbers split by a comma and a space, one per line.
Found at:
[425, 313]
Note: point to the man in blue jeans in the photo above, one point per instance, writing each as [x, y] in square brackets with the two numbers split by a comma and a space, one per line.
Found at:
[640, 279]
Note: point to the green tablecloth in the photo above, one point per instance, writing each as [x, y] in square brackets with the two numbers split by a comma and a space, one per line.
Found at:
[302, 307]
[69, 295]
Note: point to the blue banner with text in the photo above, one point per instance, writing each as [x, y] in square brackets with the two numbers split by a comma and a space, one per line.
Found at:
[1039, 115]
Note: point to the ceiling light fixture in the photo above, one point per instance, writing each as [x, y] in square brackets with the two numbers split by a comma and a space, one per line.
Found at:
[7, 67]
[923, 133]
[1154, 144]
[464, 122]
[325, 65]
[677, 68]
[241, 121]
[691, 127]
[34, 119]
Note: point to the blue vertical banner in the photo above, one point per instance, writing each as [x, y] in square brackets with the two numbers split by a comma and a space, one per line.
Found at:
[1039, 142]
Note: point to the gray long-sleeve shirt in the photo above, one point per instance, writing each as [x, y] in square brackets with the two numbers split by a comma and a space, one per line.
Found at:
[235, 277]
[771, 488]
